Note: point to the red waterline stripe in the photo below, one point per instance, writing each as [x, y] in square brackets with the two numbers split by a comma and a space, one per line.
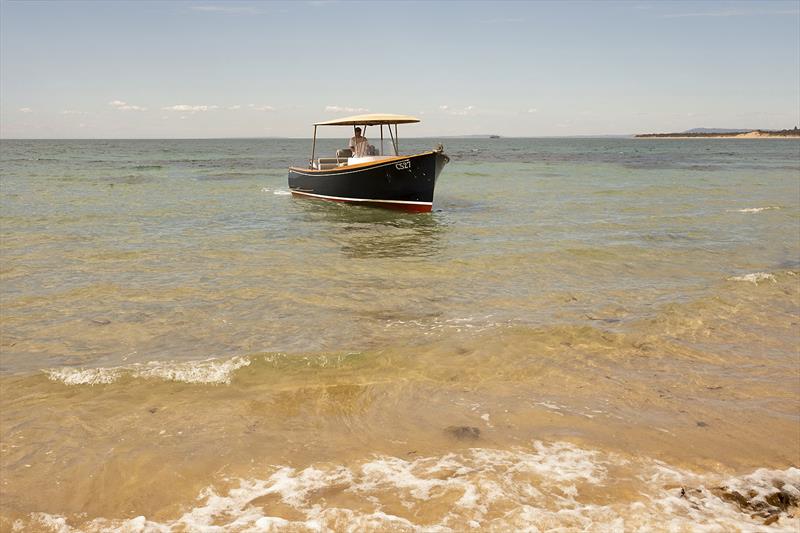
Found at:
[407, 205]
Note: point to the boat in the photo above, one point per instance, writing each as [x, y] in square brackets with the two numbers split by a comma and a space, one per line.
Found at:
[377, 178]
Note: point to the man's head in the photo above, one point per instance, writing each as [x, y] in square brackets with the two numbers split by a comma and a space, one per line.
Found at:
[358, 132]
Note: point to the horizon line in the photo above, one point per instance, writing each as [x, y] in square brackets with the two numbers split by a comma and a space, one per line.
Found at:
[478, 136]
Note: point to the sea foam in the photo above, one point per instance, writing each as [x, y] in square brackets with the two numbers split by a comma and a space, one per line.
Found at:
[84, 376]
[536, 488]
[756, 209]
[209, 371]
[754, 278]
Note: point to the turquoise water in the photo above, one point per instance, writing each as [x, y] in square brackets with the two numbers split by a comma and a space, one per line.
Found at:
[186, 346]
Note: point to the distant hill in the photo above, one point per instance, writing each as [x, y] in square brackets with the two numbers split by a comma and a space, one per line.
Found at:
[718, 130]
[719, 133]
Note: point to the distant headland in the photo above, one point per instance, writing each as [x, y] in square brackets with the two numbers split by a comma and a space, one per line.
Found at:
[712, 133]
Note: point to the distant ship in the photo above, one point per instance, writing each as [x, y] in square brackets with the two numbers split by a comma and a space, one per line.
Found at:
[494, 136]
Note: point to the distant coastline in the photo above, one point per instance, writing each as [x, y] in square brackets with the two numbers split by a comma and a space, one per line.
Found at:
[743, 134]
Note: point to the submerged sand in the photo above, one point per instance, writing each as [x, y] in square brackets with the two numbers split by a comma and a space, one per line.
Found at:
[667, 419]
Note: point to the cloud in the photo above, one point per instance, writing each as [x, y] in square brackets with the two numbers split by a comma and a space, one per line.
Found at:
[190, 108]
[341, 109]
[124, 106]
[511, 20]
[532, 110]
[234, 107]
[230, 10]
[25, 110]
[255, 107]
[730, 13]
[71, 112]
[470, 109]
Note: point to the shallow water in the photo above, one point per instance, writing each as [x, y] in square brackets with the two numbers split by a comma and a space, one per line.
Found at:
[608, 321]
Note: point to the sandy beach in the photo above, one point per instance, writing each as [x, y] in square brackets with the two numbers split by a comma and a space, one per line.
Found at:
[748, 135]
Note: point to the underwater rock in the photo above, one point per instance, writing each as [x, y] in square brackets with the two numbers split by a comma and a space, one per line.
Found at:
[769, 508]
[782, 500]
[463, 432]
[733, 496]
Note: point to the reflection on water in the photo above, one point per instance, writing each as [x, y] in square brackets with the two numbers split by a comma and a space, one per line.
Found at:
[368, 232]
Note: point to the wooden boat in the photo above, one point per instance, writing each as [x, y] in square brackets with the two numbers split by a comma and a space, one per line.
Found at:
[392, 180]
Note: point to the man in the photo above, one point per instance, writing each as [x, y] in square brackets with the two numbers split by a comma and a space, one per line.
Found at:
[358, 144]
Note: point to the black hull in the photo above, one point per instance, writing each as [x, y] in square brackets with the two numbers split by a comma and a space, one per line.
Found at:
[405, 183]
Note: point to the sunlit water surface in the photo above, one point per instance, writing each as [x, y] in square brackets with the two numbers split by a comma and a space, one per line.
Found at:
[594, 334]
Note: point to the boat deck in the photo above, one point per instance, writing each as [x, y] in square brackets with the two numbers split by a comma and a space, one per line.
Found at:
[325, 163]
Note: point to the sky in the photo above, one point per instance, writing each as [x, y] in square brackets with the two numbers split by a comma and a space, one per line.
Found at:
[215, 68]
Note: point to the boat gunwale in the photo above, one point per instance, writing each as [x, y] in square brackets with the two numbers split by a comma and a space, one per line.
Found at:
[360, 166]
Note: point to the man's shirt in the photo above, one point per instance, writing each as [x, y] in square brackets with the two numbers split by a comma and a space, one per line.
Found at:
[359, 146]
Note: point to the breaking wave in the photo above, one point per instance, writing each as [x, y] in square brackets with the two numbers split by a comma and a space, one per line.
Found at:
[755, 277]
[542, 487]
[210, 371]
[756, 209]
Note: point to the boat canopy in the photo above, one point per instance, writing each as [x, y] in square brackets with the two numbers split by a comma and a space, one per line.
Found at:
[373, 119]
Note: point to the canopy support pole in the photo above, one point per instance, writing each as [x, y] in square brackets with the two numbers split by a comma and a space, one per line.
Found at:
[313, 148]
[397, 141]
[394, 144]
[382, 153]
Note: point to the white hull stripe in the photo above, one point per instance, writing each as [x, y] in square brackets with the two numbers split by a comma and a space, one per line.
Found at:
[359, 199]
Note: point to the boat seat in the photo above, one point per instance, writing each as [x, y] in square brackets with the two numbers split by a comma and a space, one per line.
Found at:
[324, 163]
